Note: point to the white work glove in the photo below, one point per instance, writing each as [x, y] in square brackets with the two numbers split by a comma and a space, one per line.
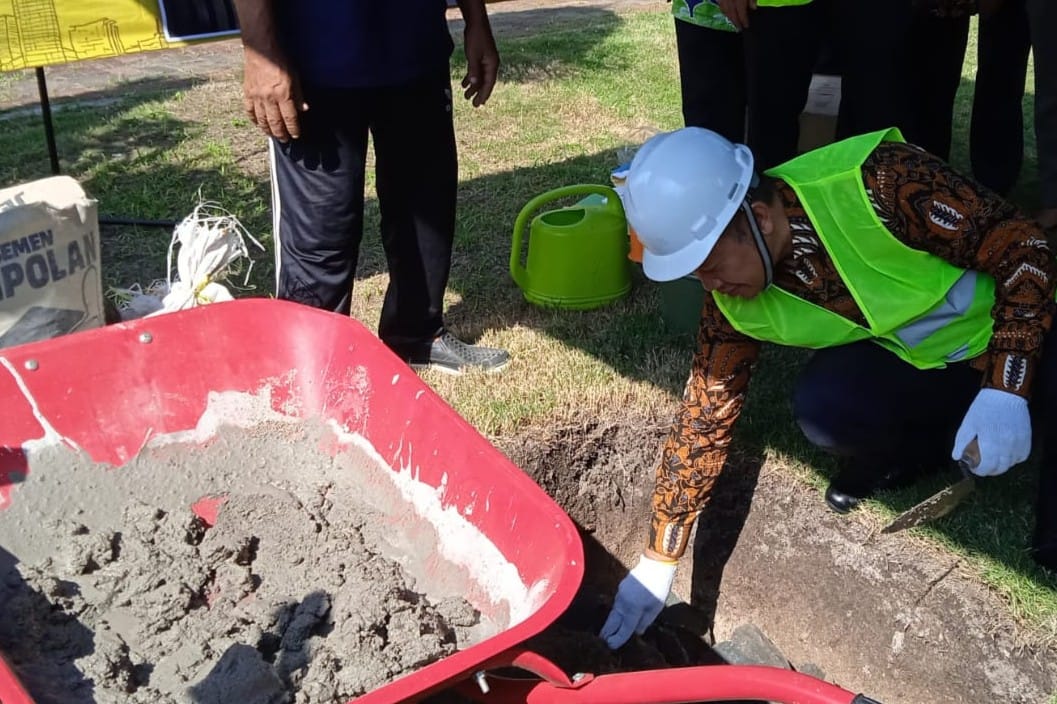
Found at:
[640, 597]
[1001, 425]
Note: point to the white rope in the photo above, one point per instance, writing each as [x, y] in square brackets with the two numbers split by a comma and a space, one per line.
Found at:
[212, 242]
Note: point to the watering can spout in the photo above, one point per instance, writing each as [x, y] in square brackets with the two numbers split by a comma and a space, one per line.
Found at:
[577, 256]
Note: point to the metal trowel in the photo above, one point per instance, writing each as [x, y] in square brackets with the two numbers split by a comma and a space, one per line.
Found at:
[944, 501]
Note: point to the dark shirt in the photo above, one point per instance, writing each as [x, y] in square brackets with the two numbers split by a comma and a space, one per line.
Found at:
[364, 43]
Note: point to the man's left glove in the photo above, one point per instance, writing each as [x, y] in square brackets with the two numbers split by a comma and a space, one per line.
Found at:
[640, 597]
[1001, 424]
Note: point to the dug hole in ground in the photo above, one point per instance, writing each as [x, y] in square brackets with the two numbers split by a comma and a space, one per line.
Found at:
[884, 615]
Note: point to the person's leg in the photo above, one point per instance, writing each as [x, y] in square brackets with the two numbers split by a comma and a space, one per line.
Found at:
[712, 79]
[996, 134]
[417, 178]
[1044, 412]
[1042, 16]
[937, 45]
[417, 175]
[871, 39]
[781, 46]
[888, 419]
[317, 201]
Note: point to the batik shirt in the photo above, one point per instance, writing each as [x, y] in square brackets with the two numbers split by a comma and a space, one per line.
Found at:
[927, 206]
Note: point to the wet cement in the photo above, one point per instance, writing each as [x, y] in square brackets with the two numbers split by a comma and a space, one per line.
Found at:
[113, 590]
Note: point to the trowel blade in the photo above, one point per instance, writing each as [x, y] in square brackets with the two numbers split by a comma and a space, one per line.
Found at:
[936, 506]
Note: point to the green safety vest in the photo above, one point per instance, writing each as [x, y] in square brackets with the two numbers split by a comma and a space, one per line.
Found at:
[922, 308]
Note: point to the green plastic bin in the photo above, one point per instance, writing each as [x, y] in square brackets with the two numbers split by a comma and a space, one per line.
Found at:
[681, 303]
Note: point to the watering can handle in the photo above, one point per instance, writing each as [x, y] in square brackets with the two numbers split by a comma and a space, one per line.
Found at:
[517, 271]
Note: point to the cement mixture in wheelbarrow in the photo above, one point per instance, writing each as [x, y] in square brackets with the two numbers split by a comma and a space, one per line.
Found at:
[300, 592]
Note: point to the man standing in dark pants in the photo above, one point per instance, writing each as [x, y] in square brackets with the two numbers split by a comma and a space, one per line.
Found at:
[1007, 33]
[711, 68]
[996, 134]
[320, 75]
[935, 52]
[1042, 16]
[783, 39]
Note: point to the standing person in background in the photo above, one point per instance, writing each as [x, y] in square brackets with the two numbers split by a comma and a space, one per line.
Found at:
[322, 75]
[1008, 30]
[782, 43]
[935, 52]
[1042, 16]
[782, 40]
[711, 68]
[996, 133]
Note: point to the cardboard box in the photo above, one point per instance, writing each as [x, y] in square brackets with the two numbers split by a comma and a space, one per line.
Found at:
[818, 121]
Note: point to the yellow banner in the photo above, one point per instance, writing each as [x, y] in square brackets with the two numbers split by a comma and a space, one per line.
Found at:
[44, 32]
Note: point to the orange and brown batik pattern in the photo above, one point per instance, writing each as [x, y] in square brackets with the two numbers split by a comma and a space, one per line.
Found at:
[931, 207]
[927, 206]
[696, 450]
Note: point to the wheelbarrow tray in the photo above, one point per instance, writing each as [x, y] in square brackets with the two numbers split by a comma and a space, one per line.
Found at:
[105, 390]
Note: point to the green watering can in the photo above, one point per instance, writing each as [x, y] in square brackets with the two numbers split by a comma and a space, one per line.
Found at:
[577, 256]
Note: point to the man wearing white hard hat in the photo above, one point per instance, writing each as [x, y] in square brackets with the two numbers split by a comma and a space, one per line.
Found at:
[928, 299]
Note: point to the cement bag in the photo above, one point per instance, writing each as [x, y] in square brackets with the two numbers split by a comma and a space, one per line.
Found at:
[49, 261]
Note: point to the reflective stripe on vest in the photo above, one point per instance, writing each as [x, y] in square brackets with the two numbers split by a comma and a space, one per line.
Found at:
[954, 305]
[922, 308]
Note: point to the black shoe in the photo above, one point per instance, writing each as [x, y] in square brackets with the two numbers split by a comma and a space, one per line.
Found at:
[1045, 556]
[451, 355]
[859, 480]
[839, 501]
[1044, 541]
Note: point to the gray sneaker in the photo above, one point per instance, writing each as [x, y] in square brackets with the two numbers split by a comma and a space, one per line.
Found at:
[451, 355]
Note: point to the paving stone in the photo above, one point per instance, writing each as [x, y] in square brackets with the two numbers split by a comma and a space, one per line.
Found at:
[749, 646]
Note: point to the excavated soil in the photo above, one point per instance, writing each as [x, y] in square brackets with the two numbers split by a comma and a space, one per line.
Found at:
[884, 615]
[114, 590]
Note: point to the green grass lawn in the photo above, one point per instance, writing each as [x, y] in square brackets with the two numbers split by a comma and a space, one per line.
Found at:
[572, 100]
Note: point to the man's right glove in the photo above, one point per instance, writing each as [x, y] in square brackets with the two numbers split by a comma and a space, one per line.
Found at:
[1001, 424]
[640, 597]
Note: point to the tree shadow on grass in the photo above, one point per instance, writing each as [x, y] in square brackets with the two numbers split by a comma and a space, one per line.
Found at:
[134, 157]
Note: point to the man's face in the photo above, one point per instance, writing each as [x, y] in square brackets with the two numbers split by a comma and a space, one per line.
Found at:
[733, 267]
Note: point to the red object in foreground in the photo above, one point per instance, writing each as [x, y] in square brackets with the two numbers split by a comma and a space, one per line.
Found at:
[208, 508]
[11, 690]
[711, 683]
[107, 391]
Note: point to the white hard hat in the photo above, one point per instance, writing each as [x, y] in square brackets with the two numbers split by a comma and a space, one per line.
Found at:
[682, 190]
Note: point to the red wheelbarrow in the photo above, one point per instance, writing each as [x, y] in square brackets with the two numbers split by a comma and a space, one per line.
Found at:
[159, 375]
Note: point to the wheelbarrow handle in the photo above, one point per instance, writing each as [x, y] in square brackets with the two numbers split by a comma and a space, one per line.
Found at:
[11, 689]
[707, 683]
